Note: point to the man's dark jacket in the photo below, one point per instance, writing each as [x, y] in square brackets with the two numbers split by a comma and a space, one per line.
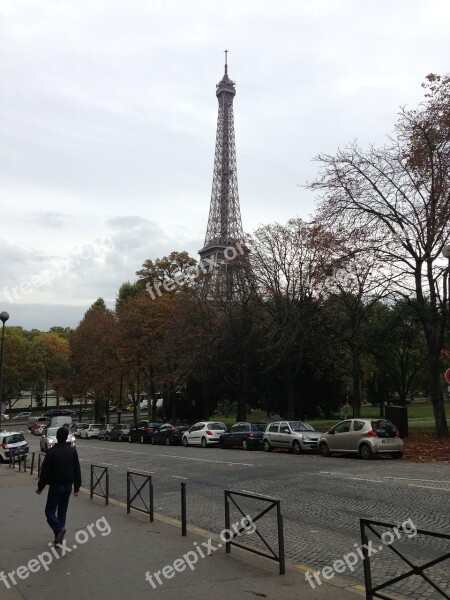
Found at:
[60, 466]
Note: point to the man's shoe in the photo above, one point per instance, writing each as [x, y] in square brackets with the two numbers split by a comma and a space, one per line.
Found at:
[60, 536]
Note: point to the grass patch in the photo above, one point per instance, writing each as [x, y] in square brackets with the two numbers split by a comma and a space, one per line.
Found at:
[417, 412]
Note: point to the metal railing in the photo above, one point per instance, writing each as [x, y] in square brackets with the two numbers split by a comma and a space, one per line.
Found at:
[132, 477]
[102, 473]
[183, 509]
[40, 461]
[230, 496]
[374, 591]
[17, 457]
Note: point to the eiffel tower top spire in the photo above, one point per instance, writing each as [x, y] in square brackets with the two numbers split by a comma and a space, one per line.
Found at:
[224, 222]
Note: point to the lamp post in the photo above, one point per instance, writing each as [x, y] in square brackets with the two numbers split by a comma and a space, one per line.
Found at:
[4, 316]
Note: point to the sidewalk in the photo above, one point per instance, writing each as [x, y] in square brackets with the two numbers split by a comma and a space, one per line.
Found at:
[113, 555]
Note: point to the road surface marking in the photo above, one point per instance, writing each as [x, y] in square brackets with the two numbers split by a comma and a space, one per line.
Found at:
[221, 462]
[428, 487]
[416, 479]
[178, 477]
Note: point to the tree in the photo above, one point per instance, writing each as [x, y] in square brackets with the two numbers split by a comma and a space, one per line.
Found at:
[55, 355]
[94, 356]
[401, 194]
[289, 264]
[394, 336]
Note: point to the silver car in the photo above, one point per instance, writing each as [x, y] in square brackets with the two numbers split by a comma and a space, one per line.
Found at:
[297, 436]
[48, 438]
[365, 437]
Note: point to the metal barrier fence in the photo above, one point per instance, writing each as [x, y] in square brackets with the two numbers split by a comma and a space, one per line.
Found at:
[40, 461]
[33, 456]
[374, 591]
[183, 509]
[148, 506]
[17, 457]
[272, 503]
[104, 493]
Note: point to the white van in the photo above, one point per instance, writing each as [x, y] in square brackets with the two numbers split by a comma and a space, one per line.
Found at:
[61, 421]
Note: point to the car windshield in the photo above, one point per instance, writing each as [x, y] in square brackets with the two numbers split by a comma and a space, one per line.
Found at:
[216, 426]
[300, 426]
[259, 426]
[51, 432]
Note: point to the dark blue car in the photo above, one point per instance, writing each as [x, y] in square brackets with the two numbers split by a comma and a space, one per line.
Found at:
[245, 435]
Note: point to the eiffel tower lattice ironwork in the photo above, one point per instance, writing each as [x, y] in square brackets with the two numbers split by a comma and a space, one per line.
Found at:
[224, 228]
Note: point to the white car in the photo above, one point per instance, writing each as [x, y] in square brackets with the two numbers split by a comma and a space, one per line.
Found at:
[91, 430]
[79, 428]
[204, 433]
[12, 442]
[22, 415]
[48, 438]
[5, 417]
[40, 428]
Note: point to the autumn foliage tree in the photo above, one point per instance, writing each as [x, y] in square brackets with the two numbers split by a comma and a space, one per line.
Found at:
[401, 194]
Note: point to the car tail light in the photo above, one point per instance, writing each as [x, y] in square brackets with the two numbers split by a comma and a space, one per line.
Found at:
[150, 429]
[208, 432]
[372, 433]
[174, 431]
[397, 433]
[251, 434]
[5, 446]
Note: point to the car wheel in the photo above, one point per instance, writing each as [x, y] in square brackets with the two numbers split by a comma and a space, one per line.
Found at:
[153, 441]
[185, 442]
[222, 444]
[142, 439]
[167, 441]
[204, 442]
[396, 454]
[267, 447]
[296, 448]
[365, 451]
[244, 445]
[324, 450]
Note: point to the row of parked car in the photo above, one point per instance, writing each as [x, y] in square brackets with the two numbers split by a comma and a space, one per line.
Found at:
[366, 437]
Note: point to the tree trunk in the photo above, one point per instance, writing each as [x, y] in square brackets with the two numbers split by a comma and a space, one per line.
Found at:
[437, 398]
[356, 383]
[291, 408]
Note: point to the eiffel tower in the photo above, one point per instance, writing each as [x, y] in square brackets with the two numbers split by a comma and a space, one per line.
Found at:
[224, 236]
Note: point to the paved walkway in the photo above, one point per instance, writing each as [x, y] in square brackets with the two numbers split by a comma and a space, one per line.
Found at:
[108, 553]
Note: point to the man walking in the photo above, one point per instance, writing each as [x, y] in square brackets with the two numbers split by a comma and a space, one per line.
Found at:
[60, 469]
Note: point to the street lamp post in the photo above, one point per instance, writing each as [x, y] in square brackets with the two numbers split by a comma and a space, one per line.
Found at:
[4, 316]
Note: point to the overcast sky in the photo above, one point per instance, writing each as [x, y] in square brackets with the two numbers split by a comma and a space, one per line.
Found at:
[108, 122]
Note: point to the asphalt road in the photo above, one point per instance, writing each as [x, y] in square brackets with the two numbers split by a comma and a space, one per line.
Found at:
[322, 499]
